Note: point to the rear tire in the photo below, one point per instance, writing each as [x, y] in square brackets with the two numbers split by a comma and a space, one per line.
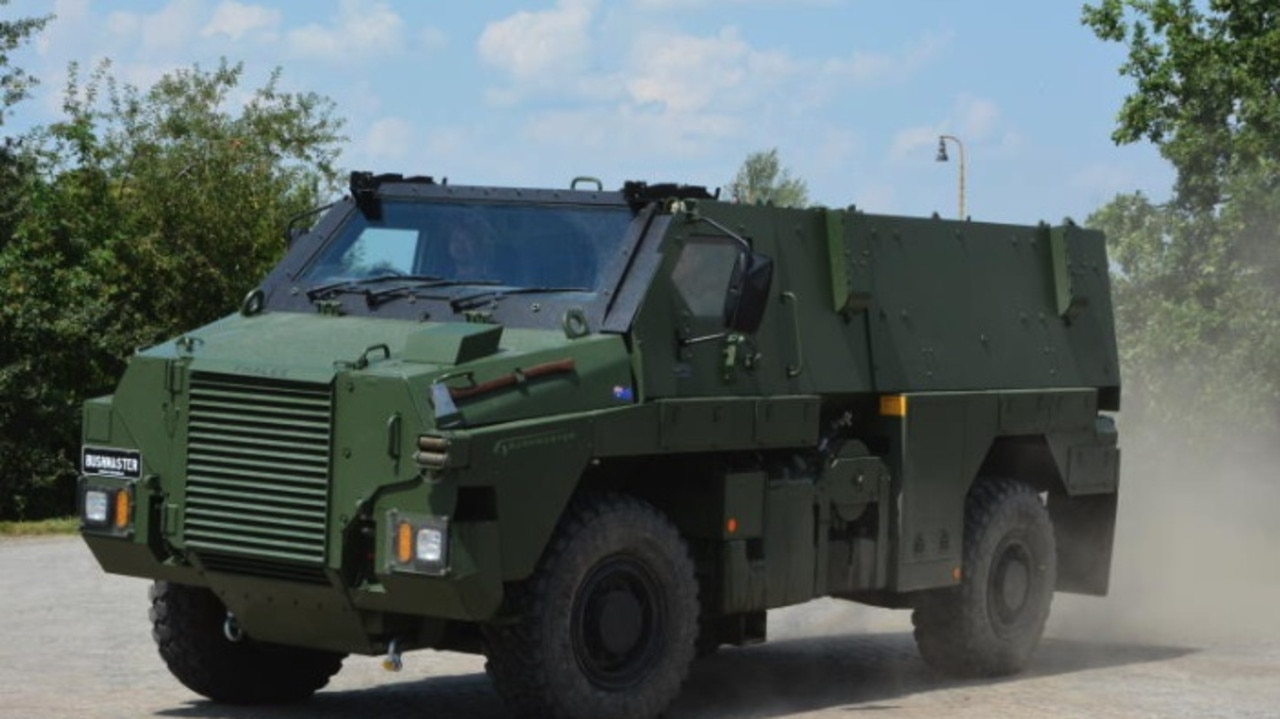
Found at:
[187, 625]
[990, 625]
[605, 627]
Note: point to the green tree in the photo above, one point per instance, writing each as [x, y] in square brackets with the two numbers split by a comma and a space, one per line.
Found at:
[763, 180]
[15, 84]
[1199, 330]
[1197, 280]
[1206, 89]
[147, 213]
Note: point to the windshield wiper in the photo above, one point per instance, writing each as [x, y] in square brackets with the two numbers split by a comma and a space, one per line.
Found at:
[360, 285]
[470, 302]
[375, 297]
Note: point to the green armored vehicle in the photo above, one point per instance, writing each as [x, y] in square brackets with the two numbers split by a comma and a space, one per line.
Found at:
[592, 434]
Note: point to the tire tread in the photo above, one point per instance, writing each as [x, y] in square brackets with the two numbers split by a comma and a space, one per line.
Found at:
[187, 628]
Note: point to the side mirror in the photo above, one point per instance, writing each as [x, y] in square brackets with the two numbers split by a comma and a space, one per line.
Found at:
[748, 294]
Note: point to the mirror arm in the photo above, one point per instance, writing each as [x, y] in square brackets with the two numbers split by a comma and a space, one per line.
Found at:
[687, 341]
[746, 245]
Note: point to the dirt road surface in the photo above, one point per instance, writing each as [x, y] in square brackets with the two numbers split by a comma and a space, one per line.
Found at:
[76, 644]
[1191, 629]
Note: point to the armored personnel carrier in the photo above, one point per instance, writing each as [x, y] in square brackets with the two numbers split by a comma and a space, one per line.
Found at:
[593, 433]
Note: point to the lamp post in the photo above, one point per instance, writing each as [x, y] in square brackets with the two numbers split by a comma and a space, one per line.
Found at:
[942, 157]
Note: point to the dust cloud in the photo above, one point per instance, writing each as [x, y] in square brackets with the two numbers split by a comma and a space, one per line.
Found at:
[1197, 538]
[1196, 559]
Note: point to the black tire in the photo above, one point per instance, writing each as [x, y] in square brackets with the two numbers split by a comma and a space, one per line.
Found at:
[990, 625]
[187, 624]
[605, 627]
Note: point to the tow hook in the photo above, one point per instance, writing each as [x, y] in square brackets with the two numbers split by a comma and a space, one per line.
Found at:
[393, 662]
[231, 629]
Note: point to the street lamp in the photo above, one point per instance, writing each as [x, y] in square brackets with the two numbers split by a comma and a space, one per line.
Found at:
[942, 157]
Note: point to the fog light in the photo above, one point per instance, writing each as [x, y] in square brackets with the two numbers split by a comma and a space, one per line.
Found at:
[430, 545]
[96, 506]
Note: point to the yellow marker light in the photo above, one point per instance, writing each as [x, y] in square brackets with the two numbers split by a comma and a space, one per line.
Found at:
[955, 574]
[893, 405]
[404, 543]
[732, 525]
[122, 509]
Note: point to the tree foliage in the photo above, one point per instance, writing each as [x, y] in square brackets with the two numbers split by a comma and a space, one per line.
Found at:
[1198, 279]
[139, 215]
[763, 180]
[1199, 328]
[15, 84]
[1207, 87]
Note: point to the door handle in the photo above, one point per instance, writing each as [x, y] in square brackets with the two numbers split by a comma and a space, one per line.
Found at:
[794, 369]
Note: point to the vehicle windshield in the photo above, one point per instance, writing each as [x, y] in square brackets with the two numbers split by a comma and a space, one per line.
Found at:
[516, 245]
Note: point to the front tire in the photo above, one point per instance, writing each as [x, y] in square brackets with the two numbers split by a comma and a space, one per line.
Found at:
[990, 625]
[187, 625]
[605, 627]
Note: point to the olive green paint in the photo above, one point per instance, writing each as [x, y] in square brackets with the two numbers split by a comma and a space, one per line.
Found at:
[768, 450]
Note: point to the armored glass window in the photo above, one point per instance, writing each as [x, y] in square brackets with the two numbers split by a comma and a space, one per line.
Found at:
[518, 245]
[701, 274]
[377, 251]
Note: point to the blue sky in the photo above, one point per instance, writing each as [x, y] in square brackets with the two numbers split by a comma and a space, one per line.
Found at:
[853, 93]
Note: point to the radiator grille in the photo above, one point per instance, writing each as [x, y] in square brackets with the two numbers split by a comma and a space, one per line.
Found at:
[257, 469]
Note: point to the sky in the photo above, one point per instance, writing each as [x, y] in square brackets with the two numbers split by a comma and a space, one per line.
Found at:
[853, 93]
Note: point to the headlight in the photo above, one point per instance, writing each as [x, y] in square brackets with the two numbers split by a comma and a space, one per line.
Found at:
[105, 508]
[95, 506]
[430, 545]
[417, 543]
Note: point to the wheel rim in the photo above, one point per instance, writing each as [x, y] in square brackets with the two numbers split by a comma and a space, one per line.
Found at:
[1009, 590]
[619, 622]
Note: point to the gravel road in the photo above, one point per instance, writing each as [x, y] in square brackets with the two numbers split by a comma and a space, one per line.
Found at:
[1191, 629]
[76, 643]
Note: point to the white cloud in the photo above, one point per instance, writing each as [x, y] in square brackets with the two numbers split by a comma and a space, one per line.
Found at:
[676, 95]
[686, 73]
[1099, 183]
[167, 30]
[831, 151]
[914, 141]
[530, 44]
[685, 92]
[389, 139]
[670, 94]
[235, 20]
[975, 120]
[666, 5]
[432, 39]
[879, 196]
[628, 133]
[872, 68]
[361, 29]
[67, 15]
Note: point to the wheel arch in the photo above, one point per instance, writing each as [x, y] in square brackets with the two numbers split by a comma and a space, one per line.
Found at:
[1024, 458]
[1083, 521]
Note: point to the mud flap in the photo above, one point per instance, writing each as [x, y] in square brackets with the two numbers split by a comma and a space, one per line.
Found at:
[1084, 528]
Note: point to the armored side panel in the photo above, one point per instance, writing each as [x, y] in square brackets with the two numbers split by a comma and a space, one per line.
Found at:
[970, 306]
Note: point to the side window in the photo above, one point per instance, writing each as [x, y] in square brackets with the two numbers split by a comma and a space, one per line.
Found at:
[701, 274]
[379, 251]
